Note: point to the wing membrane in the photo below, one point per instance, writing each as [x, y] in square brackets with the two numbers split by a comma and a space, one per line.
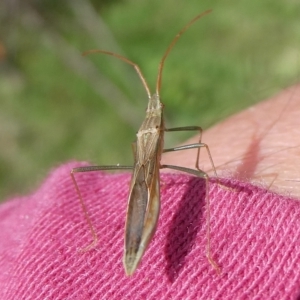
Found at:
[142, 214]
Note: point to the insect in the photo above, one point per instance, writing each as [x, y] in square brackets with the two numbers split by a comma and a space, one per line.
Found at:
[144, 193]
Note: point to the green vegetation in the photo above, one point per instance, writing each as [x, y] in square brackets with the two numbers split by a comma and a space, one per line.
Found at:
[57, 106]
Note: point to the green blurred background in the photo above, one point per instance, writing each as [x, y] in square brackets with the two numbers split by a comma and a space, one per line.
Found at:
[57, 106]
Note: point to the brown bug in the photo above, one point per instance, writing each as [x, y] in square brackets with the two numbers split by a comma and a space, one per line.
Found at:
[144, 194]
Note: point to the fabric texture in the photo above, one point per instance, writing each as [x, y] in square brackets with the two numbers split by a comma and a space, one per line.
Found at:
[255, 238]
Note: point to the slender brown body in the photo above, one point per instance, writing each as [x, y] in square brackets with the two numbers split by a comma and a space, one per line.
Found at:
[144, 195]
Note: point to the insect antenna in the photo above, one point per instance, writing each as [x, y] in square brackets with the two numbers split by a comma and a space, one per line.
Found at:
[136, 67]
[162, 62]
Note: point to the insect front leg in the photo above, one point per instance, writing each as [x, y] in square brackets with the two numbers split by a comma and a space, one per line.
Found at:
[198, 145]
[84, 209]
[193, 146]
[190, 128]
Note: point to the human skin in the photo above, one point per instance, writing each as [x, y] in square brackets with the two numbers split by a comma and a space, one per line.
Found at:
[260, 144]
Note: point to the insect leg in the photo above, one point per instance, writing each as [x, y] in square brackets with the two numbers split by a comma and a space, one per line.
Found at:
[192, 146]
[199, 173]
[91, 169]
[189, 128]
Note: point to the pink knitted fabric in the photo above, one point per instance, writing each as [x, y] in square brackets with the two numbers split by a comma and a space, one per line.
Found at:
[254, 238]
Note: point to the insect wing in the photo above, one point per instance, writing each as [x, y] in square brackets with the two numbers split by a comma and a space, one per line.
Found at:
[142, 213]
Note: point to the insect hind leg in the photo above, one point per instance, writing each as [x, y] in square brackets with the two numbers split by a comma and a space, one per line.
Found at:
[200, 173]
[83, 206]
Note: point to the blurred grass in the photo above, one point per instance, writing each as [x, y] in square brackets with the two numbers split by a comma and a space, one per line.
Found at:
[56, 105]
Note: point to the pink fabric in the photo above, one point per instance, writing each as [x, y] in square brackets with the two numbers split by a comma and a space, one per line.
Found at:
[254, 237]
